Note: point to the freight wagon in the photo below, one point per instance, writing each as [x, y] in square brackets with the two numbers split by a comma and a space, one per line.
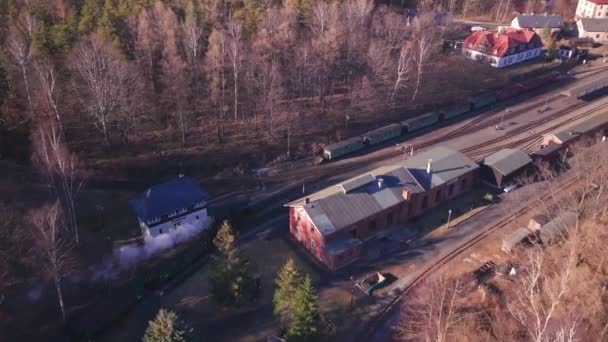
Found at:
[483, 100]
[455, 111]
[342, 148]
[383, 134]
[420, 122]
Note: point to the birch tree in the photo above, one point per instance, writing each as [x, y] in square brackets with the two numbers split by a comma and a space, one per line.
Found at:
[434, 314]
[52, 249]
[541, 287]
[215, 60]
[404, 67]
[48, 84]
[18, 45]
[62, 170]
[423, 44]
[102, 75]
[235, 49]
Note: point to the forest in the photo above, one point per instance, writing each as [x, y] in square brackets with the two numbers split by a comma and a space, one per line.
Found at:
[221, 78]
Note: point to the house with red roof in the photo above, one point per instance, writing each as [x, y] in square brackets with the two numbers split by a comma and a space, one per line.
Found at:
[501, 49]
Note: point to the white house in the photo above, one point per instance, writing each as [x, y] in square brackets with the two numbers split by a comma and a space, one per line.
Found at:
[592, 9]
[538, 22]
[594, 28]
[501, 49]
[169, 206]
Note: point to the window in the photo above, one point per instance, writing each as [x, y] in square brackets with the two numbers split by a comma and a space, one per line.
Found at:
[451, 189]
[176, 224]
[312, 229]
[438, 196]
[160, 231]
[372, 225]
[425, 202]
[177, 212]
[597, 36]
[463, 184]
[153, 220]
[199, 204]
[354, 233]
[389, 219]
[196, 217]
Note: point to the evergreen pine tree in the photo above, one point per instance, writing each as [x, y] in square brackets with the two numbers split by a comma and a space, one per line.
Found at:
[89, 16]
[288, 281]
[304, 325]
[230, 273]
[108, 20]
[225, 238]
[164, 328]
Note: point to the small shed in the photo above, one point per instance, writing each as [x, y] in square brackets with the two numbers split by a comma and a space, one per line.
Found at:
[502, 167]
[537, 221]
[519, 236]
[557, 229]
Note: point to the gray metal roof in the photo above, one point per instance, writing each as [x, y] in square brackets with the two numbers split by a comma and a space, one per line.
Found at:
[558, 227]
[581, 127]
[356, 199]
[339, 246]
[583, 88]
[446, 164]
[595, 24]
[507, 161]
[539, 21]
[510, 241]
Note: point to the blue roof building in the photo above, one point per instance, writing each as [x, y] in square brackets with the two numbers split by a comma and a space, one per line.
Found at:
[168, 206]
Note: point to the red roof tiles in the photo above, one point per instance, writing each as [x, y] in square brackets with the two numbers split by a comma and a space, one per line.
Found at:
[599, 2]
[502, 44]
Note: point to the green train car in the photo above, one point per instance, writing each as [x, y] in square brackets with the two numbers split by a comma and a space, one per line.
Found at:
[419, 122]
[482, 100]
[342, 148]
[383, 134]
[456, 110]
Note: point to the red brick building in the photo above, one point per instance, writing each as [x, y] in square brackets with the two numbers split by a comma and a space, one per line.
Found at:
[334, 224]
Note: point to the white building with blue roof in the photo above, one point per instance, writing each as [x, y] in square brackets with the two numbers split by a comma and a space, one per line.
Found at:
[169, 206]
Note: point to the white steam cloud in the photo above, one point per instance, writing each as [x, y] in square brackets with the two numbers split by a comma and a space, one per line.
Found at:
[125, 257]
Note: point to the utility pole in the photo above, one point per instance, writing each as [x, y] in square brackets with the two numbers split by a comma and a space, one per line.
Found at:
[449, 217]
[288, 140]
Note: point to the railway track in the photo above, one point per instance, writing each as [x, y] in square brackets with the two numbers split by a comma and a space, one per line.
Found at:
[376, 323]
[472, 151]
[475, 151]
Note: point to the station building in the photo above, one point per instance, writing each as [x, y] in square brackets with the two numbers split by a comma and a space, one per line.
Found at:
[335, 223]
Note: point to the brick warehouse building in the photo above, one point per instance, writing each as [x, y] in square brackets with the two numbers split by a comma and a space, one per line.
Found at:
[334, 224]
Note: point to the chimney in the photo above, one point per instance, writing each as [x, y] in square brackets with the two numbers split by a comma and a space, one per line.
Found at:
[307, 200]
[380, 183]
[180, 175]
[428, 166]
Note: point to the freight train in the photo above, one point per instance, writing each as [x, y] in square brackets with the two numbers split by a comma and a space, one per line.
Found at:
[409, 126]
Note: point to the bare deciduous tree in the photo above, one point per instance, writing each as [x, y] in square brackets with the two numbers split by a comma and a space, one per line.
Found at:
[19, 47]
[48, 82]
[214, 68]
[51, 248]
[434, 313]
[540, 290]
[102, 76]
[404, 67]
[62, 170]
[235, 50]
